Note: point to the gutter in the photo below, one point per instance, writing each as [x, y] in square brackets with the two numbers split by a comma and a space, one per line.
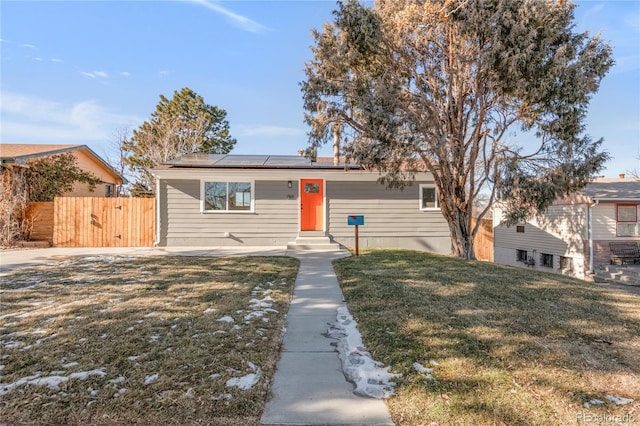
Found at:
[590, 234]
[157, 238]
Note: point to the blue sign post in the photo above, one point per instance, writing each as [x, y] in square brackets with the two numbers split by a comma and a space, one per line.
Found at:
[356, 220]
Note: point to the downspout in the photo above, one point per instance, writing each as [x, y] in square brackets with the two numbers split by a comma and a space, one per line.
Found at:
[590, 234]
[157, 238]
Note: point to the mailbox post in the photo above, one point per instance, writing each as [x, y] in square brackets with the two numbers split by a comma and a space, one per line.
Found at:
[356, 220]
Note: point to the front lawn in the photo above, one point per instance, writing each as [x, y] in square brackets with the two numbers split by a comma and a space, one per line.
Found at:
[147, 340]
[505, 345]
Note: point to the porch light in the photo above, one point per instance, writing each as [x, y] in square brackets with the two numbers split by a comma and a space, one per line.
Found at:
[289, 184]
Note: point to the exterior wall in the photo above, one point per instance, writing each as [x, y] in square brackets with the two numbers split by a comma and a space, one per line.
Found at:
[273, 222]
[392, 217]
[561, 231]
[604, 231]
[87, 162]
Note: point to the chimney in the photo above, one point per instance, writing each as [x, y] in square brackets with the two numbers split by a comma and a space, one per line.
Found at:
[621, 175]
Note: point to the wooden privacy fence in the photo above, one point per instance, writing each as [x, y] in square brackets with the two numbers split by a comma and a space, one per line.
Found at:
[40, 217]
[103, 222]
[483, 242]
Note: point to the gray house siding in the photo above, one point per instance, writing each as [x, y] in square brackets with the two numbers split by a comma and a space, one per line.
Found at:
[274, 220]
[392, 217]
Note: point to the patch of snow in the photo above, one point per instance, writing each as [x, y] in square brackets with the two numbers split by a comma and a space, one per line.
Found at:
[154, 338]
[422, 369]
[151, 314]
[254, 314]
[69, 364]
[133, 357]
[368, 375]
[1, 367]
[209, 310]
[593, 402]
[150, 379]
[215, 376]
[118, 379]
[120, 392]
[11, 344]
[618, 400]
[83, 375]
[226, 318]
[261, 303]
[248, 381]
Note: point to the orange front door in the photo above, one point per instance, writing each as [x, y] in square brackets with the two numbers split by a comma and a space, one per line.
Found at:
[311, 204]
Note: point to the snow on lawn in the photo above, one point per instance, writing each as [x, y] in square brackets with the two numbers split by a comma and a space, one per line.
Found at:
[368, 375]
[52, 382]
[248, 381]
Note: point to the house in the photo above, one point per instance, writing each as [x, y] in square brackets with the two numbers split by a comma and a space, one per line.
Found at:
[87, 160]
[573, 236]
[259, 200]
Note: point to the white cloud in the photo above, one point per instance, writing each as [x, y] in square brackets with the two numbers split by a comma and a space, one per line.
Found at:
[57, 60]
[125, 73]
[95, 74]
[270, 131]
[29, 119]
[239, 21]
[28, 46]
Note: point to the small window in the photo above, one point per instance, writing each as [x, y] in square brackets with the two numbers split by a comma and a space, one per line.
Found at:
[428, 198]
[627, 220]
[311, 188]
[521, 255]
[108, 190]
[566, 264]
[546, 260]
[520, 229]
[227, 196]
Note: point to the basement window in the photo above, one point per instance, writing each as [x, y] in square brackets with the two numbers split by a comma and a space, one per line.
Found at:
[521, 255]
[546, 260]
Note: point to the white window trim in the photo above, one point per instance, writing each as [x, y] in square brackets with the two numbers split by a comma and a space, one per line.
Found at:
[202, 201]
[428, 209]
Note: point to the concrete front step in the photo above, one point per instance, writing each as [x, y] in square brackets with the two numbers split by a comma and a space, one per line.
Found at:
[313, 243]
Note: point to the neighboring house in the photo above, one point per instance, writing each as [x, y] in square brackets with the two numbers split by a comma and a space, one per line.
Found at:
[87, 160]
[572, 237]
[258, 200]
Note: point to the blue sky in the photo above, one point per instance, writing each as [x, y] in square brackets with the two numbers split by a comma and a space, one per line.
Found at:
[80, 71]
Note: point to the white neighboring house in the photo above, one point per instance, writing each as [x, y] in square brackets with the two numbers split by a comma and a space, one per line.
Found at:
[572, 237]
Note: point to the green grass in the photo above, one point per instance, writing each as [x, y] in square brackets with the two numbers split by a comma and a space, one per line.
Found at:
[509, 345]
[126, 319]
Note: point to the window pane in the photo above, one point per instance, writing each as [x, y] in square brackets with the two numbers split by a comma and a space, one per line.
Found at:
[311, 188]
[626, 213]
[627, 229]
[429, 198]
[239, 196]
[215, 195]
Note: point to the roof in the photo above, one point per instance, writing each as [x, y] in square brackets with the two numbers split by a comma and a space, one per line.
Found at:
[217, 161]
[21, 153]
[613, 189]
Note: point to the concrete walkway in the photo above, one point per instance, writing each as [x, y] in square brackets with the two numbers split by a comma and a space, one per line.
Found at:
[309, 387]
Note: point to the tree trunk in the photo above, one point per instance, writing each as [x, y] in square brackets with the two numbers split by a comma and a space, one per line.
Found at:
[461, 235]
[336, 144]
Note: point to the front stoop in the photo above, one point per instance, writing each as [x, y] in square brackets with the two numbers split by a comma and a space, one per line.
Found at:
[313, 240]
[623, 274]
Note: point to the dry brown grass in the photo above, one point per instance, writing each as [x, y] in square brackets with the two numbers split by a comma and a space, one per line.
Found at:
[511, 346]
[113, 340]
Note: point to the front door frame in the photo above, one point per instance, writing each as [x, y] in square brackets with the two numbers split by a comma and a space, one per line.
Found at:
[322, 224]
